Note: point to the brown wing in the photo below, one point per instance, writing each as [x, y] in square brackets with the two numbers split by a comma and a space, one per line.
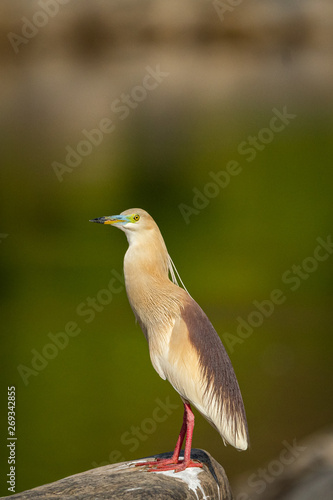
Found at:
[200, 370]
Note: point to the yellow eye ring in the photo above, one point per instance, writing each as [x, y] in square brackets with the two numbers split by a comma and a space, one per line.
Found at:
[136, 217]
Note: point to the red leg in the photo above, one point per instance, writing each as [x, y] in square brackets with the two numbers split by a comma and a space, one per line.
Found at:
[175, 456]
[173, 463]
[180, 440]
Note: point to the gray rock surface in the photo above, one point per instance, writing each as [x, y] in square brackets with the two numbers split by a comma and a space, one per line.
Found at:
[125, 481]
[308, 477]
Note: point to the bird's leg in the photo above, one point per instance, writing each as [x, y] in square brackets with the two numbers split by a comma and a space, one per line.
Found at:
[173, 463]
[178, 466]
[175, 455]
[180, 440]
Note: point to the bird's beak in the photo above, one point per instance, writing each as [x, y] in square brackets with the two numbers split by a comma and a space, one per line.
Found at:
[112, 219]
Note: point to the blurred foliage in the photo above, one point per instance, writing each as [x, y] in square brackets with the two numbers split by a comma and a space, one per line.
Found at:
[81, 409]
[75, 412]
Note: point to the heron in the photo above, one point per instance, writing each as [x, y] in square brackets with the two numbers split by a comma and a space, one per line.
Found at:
[183, 345]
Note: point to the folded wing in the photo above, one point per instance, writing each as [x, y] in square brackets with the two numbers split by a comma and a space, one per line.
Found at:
[199, 368]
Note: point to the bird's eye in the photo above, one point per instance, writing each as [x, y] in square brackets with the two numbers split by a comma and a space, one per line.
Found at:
[136, 217]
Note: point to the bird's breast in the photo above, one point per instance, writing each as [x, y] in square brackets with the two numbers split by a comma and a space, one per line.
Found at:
[156, 304]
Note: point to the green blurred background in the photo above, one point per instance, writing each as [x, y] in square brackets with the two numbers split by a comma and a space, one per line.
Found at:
[225, 78]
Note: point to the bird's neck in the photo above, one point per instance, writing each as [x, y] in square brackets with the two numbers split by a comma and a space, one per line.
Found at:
[145, 265]
[147, 281]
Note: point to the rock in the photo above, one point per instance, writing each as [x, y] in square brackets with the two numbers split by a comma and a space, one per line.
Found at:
[307, 475]
[124, 481]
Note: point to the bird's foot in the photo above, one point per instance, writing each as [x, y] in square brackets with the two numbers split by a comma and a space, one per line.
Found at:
[180, 466]
[156, 462]
[165, 464]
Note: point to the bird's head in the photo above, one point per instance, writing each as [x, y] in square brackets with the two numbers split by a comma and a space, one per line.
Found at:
[142, 231]
[133, 222]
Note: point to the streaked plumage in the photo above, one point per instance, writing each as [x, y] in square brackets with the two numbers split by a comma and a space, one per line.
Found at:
[183, 345]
